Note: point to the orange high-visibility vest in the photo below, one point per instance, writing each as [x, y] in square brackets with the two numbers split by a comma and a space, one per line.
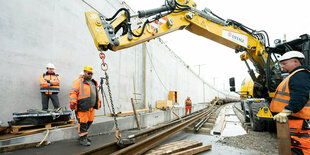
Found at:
[282, 98]
[52, 87]
[80, 95]
[188, 103]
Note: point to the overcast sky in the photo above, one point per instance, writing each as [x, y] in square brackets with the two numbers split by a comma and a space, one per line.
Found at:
[277, 17]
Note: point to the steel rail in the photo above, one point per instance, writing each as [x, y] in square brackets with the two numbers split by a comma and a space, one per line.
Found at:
[148, 139]
[204, 120]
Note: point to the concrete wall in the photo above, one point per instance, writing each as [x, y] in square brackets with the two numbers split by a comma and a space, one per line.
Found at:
[36, 32]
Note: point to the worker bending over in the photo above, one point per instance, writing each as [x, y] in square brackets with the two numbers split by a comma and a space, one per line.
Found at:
[84, 99]
[188, 105]
[49, 87]
[291, 101]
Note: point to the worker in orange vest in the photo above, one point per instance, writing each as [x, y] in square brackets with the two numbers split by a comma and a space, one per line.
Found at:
[49, 87]
[84, 99]
[188, 105]
[291, 101]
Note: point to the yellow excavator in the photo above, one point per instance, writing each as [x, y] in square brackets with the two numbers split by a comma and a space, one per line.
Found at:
[117, 33]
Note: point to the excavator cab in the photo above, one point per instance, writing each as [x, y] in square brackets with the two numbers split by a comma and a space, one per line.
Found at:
[274, 72]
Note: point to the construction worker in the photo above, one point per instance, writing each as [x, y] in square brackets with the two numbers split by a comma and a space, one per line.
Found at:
[84, 99]
[188, 105]
[291, 101]
[49, 87]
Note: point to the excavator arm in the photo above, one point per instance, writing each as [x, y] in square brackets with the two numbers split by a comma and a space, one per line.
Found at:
[179, 15]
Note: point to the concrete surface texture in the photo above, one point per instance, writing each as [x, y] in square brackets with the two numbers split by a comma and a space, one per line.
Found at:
[36, 32]
[103, 125]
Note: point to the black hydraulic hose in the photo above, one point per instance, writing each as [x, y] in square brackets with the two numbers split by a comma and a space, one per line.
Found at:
[172, 7]
[144, 25]
[216, 16]
[177, 3]
[267, 37]
[117, 12]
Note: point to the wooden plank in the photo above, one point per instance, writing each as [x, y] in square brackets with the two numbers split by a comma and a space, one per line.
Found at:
[194, 150]
[3, 128]
[136, 117]
[219, 125]
[9, 148]
[35, 128]
[283, 133]
[174, 147]
[32, 131]
[180, 118]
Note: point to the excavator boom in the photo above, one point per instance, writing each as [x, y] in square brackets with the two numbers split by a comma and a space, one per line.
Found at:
[175, 15]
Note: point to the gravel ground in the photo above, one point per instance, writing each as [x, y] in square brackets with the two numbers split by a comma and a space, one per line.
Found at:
[264, 142]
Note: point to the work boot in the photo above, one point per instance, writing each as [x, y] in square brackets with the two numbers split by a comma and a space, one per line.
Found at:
[84, 141]
[88, 139]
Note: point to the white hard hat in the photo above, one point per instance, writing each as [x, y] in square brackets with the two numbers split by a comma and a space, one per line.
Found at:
[50, 65]
[290, 55]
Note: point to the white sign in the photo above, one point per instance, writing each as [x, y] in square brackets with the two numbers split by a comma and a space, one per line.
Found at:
[236, 37]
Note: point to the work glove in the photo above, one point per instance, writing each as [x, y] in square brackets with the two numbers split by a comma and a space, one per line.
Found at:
[72, 106]
[282, 116]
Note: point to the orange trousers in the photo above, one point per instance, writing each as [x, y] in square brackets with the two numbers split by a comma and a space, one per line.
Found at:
[188, 108]
[300, 139]
[85, 119]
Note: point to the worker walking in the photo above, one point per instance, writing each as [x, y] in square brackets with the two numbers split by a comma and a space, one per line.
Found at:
[84, 99]
[188, 105]
[291, 101]
[49, 87]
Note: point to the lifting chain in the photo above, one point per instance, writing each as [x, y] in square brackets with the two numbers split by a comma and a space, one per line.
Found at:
[112, 105]
[104, 66]
[121, 142]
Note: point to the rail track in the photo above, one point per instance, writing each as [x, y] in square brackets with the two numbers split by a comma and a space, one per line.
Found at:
[148, 139]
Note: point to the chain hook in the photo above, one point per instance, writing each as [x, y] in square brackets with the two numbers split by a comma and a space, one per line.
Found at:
[104, 66]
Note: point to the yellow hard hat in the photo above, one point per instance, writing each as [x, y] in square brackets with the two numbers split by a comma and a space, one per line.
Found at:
[88, 68]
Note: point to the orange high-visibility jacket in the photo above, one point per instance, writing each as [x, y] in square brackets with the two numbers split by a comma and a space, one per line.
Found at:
[188, 103]
[53, 86]
[282, 98]
[80, 95]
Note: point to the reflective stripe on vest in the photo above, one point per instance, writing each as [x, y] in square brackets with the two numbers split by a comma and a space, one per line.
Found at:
[282, 98]
[52, 90]
[82, 94]
[75, 89]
